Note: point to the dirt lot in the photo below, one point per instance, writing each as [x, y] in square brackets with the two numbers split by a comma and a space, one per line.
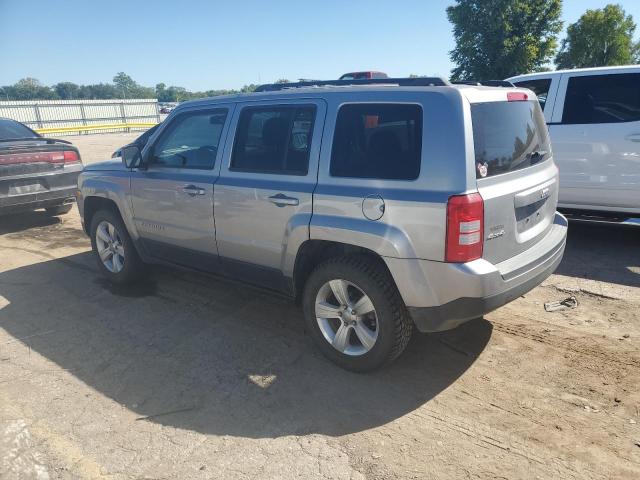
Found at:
[187, 376]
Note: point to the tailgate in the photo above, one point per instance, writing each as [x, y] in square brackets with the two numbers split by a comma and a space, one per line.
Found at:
[516, 176]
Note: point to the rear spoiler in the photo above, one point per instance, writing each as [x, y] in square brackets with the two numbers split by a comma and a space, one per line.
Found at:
[49, 141]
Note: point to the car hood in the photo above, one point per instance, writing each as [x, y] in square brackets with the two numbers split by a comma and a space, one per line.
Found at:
[109, 165]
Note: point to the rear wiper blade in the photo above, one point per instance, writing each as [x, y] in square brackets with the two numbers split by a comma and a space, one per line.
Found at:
[537, 154]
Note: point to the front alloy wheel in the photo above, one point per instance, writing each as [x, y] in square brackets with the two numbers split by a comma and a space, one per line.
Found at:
[113, 248]
[110, 247]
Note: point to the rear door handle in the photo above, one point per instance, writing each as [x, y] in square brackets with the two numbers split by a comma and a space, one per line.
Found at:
[281, 200]
[192, 190]
[634, 137]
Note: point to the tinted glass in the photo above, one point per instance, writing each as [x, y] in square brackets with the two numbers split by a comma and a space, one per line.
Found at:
[191, 140]
[508, 136]
[377, 141]
[274, 140]
[603, 99]
[11, 129]
[539, 87]
[141, 141]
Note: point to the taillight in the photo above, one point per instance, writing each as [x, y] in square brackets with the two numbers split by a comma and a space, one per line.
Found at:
[68, 156]
[71, 156]
[517, 97]
[465, 227]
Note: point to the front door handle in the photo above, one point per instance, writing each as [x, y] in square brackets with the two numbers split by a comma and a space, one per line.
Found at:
[281, 200]
[634, 137]
[192, 190]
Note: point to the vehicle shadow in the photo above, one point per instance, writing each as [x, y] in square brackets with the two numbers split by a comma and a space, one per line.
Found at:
[18, 222]
[199, 353]
[602, 252]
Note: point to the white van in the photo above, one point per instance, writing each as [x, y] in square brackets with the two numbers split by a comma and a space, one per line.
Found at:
[593, 116]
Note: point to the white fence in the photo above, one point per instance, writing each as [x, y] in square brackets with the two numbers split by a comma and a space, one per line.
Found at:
[73, 117]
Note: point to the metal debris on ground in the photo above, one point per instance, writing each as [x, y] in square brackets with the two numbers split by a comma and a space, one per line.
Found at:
[567, 303]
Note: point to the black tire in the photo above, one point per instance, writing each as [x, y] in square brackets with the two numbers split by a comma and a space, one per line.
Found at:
[133, 267]
[59, 209]
[394, 323]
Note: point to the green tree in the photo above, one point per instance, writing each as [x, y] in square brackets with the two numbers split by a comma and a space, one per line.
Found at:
[177, 94]
[161, 92]
[600, 37]
[67, 90]
[124, 84]
[31, 89]
[99, 91]
[248, 88]
[496, 39]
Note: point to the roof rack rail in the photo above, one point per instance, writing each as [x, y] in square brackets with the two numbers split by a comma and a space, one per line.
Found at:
[486, 83]
[401, 82]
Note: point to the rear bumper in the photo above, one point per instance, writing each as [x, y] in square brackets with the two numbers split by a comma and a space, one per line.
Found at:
[35, 201]
[50, 189]
[441, 296]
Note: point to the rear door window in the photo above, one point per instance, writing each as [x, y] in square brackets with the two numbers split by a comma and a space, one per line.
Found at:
[540, 87]
[377, 141]
[611, 98]
[274, 140]
[508, 136]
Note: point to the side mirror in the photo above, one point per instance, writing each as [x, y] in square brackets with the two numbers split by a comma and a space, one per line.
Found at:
[131, 156]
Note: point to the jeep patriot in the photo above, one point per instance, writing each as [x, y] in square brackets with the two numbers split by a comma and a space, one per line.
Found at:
[379, 205]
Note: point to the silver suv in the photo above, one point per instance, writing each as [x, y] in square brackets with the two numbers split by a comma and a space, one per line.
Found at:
[377, 204]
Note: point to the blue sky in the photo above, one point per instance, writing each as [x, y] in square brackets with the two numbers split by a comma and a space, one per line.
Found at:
[224, 44]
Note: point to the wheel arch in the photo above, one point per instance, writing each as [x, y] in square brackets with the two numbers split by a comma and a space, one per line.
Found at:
[314, 252]
[93, 204]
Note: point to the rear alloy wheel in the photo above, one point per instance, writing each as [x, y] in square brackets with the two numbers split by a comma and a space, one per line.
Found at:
[346, 317]
[114, 250]
[355, 314]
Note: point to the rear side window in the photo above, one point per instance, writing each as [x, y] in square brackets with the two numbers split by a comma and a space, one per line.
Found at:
[377, 141]
[602, 99]
[191, 140]
[274, 140]
[508, 136]
[540, 88]
[10, 129]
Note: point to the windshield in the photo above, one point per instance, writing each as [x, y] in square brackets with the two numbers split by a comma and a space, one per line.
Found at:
[508, 136]
[11, 129]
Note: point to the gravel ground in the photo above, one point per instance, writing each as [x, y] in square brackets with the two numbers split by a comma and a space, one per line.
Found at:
[188, 376]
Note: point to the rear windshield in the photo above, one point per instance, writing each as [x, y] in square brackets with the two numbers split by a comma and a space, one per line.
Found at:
[508, 136]
[10, 129]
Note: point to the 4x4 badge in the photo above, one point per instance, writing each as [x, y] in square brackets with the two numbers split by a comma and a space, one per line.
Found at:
[483, 169]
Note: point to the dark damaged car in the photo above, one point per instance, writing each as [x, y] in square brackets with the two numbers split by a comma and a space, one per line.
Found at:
[36, 172]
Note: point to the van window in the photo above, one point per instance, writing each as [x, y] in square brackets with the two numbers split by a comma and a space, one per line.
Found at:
[610, 98]
[508, 136]
[540, 87]
[190, 140]
[377, 141]
[274, 140]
